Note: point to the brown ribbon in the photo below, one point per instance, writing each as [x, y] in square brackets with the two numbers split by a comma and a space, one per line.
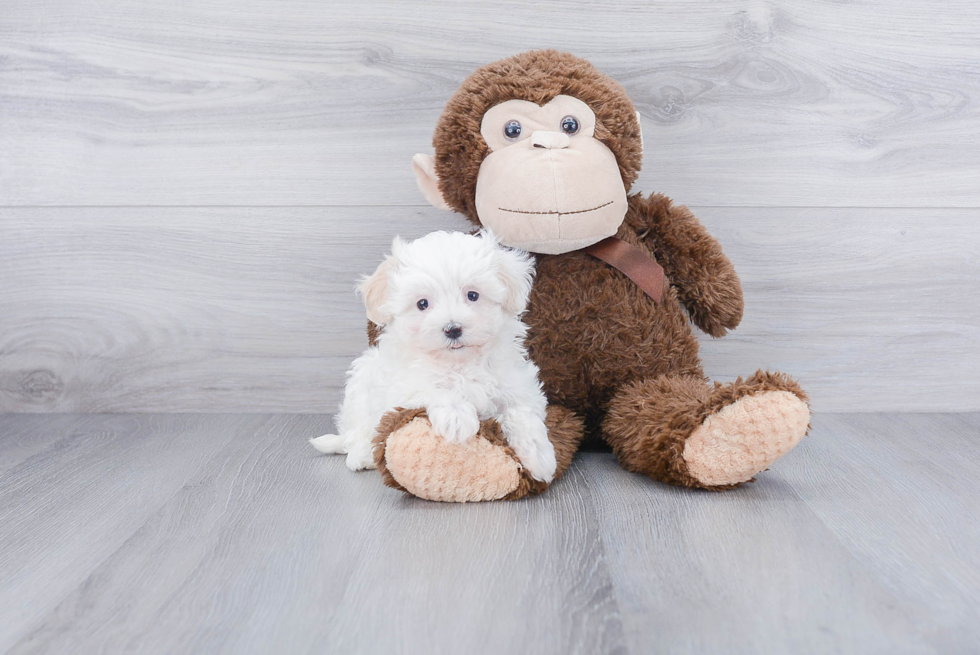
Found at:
[635, 263]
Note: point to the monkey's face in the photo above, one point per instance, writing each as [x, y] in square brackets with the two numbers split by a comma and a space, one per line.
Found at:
[548, 185]
[541, 147]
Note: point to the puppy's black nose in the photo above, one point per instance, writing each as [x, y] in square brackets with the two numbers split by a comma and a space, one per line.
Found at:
[453, 331]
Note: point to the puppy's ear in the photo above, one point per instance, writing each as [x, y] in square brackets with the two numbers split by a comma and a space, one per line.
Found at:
[516, 270]
[373, 289]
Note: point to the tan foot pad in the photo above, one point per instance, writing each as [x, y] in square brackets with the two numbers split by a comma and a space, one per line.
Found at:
[746, 437]
[428, 467]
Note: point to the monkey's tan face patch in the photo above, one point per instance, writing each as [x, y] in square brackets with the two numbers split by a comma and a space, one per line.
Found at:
[548, 185]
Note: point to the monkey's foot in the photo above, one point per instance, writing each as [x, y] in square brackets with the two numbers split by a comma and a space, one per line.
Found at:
[680, 430]
[744, 438]
[410, 456]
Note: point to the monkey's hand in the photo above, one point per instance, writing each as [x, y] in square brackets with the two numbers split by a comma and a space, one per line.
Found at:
[715, 304]
[705, 279]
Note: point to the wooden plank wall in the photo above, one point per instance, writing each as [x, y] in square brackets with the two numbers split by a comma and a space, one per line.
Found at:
[189, 190]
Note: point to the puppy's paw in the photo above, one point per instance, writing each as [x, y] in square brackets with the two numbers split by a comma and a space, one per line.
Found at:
[331, 444]
[455, 423]
[360, 456]
[529, 439]
[539, 460]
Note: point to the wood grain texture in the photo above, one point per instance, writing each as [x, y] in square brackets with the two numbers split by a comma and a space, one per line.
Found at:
[914, 478]
[272, 548]
[22, 440]
[252, 309]
[492, 578]
[229, 534]
[873, 310]
[183, 310]
[72, 504]
[860, 540]
[745, 102]
[748, 572]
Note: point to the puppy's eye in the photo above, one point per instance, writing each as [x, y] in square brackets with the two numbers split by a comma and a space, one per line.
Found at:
[473, 296]
[422, 305]
[512, 129]
[569, 125]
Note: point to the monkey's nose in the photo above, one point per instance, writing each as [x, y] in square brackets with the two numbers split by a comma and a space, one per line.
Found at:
[453, 331]
[550, 140]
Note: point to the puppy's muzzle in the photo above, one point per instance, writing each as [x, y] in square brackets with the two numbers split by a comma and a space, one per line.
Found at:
[453, 331]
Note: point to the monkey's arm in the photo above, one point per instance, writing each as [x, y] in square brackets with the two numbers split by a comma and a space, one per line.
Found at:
[704, 277]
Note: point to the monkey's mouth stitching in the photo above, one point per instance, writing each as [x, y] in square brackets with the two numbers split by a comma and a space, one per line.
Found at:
[560, 214]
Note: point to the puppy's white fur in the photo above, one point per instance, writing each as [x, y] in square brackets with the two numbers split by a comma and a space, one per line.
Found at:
[483, 374]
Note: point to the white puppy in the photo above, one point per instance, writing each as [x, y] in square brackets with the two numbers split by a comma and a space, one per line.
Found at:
[453, 343]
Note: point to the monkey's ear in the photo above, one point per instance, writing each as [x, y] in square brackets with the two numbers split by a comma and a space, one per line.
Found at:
[424, 167]
[373, 289]
[639, 124]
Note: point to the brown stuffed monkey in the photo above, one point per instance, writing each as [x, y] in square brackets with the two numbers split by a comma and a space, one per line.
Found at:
[543, 148]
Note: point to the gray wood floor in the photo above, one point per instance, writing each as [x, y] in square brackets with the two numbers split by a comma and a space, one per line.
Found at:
[227, 533]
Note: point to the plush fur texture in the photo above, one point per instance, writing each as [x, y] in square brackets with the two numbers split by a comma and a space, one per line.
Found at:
[624, 365]
[591, 337]
[452, 344]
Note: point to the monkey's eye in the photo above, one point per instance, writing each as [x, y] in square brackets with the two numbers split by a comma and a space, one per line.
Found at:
[512, 129]
[473, 296]
[422, 305]
[569, 125]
